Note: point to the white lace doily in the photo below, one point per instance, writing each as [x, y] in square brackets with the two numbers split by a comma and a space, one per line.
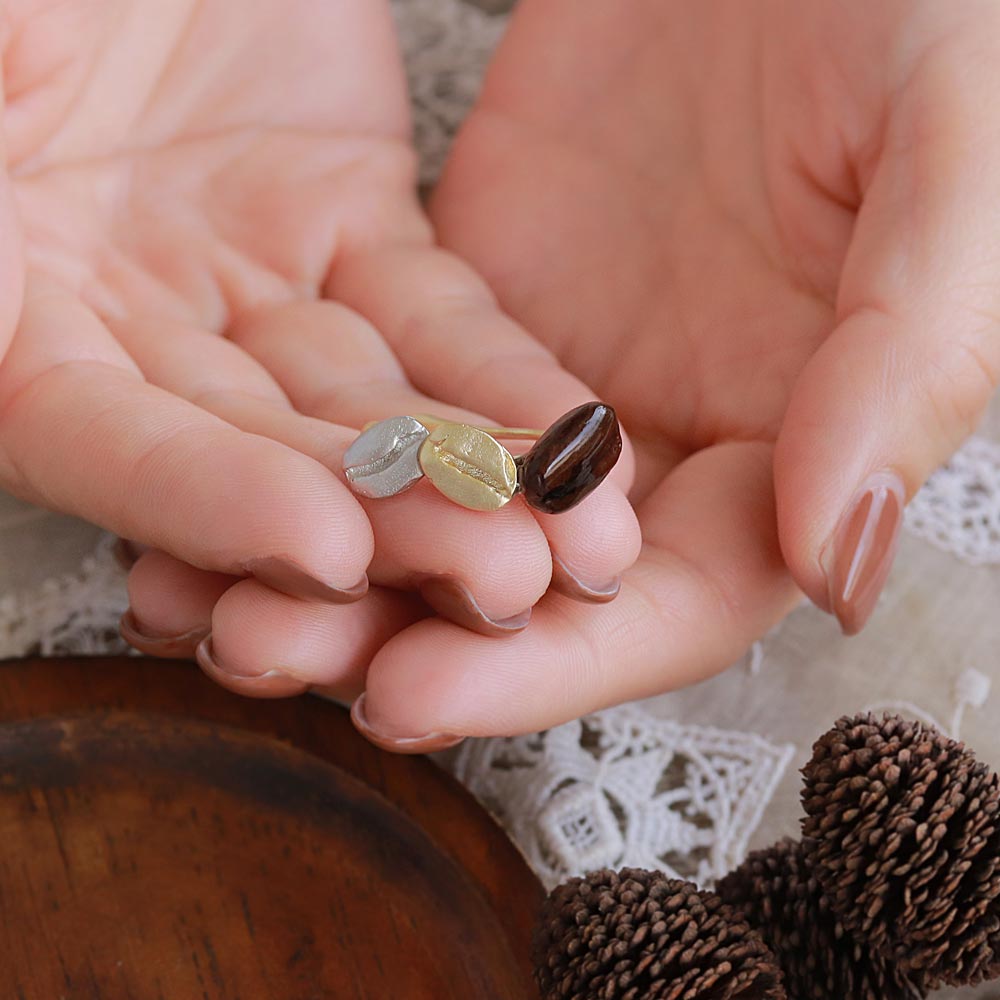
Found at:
[959, 507]
[73, 614]
[622, 788]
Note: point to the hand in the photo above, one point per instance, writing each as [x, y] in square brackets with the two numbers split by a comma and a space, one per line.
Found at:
[768, 234]
[227, 274]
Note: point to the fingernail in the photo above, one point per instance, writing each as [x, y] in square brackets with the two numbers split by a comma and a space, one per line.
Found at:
[127, 553]
[453, 600]
[270, 684]
[290, 578]
[567, 582]
[859, 556]
[146, 640]
[430, 743]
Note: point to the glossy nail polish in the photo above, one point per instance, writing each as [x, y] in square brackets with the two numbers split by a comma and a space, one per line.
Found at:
[453, 600]
[569, 583]
[858, 558]
[180, 646]
[292, 579]
[430, 743]
[270, 684]
[571, 459]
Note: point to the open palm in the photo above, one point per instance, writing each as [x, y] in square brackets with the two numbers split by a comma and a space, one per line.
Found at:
[210, 211]
[766, 233]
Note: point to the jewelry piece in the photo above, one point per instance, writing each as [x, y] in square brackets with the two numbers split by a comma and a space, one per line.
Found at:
[470, 466]
[383, 460]
[571, 459]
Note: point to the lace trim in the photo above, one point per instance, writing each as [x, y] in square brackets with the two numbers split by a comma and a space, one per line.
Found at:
[624, 788]
[958, 509]
[970, 690]
[73, 614]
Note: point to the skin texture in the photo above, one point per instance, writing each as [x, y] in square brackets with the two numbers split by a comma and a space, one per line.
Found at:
[209, 213]
[765, 233]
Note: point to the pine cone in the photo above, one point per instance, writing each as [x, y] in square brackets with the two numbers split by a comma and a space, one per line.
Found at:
[777, 894]
[637, 935]
[903, 833]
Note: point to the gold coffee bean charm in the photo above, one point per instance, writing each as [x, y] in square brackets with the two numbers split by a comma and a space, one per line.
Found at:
[468, 466]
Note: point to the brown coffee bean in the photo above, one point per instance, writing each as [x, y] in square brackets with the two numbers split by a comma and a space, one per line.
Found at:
[571, 459]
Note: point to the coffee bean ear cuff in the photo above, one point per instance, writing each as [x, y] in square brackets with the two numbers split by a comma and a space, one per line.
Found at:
[472, 468]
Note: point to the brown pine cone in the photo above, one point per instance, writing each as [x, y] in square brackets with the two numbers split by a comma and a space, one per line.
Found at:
[637, 935]
[902, 830]
[781, 900]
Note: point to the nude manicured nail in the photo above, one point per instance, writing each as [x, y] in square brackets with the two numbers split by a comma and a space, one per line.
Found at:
[270, 684]
[292, 579]
[858, 558]
[453, 600]
[178, 646]
[430, 743]
[567, 582]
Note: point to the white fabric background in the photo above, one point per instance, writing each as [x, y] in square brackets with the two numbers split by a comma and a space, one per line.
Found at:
[689, 780]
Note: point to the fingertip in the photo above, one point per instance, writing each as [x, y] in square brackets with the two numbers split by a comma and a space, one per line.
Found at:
[593, 545]
[500, 558]
[269, 684]
[452, 599]
[426, 743]
[438, 678]
[853, 446]
[569, 582]
[292, 521]
[285, 575]
[258, 632]
[169, 646]
[169, 597]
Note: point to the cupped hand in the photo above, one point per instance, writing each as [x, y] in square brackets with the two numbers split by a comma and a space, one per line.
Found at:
[209, 214]
[768, 234]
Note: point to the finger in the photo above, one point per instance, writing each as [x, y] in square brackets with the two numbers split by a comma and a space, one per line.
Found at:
[170, 605]
[267, 644]
[335, 365]
[193, 363]
[484, 572]
[709, 581]
[455, 343]
[274, 644]
[592, 545]
[915, 355]
[81, 432]
[331, 363]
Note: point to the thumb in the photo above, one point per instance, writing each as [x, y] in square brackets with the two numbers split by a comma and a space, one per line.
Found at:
[914, 356]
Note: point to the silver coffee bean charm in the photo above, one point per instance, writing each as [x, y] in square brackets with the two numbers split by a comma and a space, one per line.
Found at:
[383, 460]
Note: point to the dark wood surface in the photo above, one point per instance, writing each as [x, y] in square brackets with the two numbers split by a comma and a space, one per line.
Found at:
[162, 838]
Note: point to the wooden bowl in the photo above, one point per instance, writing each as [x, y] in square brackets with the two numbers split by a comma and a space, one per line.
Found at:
[162, 838]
